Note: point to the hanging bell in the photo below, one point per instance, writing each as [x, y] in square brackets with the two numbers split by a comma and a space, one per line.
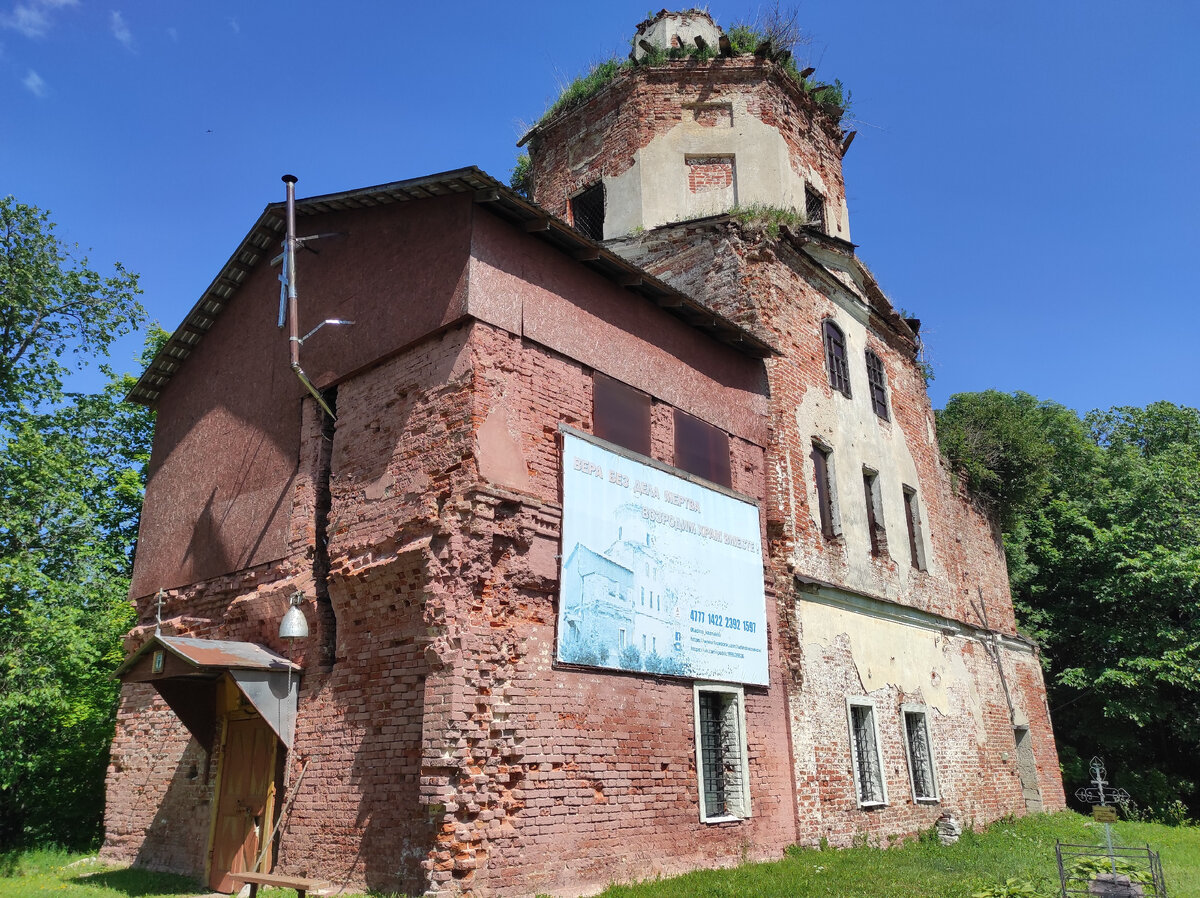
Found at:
[294, 624]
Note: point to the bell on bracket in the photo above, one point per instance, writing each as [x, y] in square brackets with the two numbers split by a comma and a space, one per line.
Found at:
[294, 624]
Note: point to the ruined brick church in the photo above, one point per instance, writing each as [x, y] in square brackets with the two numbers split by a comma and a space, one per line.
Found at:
[622, 541]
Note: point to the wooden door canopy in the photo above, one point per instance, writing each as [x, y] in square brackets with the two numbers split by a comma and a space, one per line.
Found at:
[185, 672]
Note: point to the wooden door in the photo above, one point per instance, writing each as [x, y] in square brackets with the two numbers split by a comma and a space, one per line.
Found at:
[246, 794]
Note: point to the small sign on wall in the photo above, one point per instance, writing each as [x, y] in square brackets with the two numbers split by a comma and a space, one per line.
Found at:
[660, 574]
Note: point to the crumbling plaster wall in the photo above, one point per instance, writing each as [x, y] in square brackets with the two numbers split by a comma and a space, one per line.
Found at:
[783, 290]
[864, 650]
[784, 293]
[637, 134]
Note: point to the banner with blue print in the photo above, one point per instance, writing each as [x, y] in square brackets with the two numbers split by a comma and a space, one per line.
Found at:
[660, 574]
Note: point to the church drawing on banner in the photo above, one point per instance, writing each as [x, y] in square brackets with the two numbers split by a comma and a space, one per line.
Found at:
[602, 534]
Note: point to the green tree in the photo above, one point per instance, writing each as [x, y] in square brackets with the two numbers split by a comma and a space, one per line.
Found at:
[1101, 523]
[72, 471]
[71, 484]
[53, 306]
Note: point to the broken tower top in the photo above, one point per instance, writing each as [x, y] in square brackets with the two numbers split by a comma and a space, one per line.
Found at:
[668, 30]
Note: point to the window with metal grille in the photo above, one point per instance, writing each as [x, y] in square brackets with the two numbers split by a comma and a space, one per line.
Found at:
[814, 208]
[878, 385]
[712, 754]
[587, 212]
[864, 747]
[875, 527]
[823, 479]
[702, 449]
[835, 357]
[721, 760]
[620, 414]
[920, 754]
[912, 515]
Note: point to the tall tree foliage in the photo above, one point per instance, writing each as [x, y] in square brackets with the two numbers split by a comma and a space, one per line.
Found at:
[1101, 522]
[72, 470]
[53, 306]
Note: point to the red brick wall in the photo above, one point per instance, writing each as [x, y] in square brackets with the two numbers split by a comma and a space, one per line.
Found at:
[564, 779]
[219, 491]
[160, 789]
[709, 173]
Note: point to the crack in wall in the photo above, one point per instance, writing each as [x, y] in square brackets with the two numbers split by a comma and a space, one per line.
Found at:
[323, 503]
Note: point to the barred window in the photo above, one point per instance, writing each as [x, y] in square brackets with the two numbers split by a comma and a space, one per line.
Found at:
[835, 357]
[587, 212]
[920, 754]
[814, 208]
[864, 748]
[878, 385]
[721, 760]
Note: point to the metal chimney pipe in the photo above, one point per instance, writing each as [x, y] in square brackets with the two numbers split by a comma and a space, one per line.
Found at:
[293, 314]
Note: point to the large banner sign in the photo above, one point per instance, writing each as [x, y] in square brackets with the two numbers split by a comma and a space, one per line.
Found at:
[659, 574]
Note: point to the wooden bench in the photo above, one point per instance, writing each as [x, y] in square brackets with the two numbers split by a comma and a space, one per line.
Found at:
[298, 883]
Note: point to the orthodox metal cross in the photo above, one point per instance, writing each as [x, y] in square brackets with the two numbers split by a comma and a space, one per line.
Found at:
[1100, 792]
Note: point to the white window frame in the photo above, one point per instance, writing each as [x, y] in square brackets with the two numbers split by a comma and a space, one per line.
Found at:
[743, 758]
[853, 702]
[905, 710]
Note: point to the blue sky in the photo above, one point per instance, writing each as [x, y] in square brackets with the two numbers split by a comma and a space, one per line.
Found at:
[1024, 179]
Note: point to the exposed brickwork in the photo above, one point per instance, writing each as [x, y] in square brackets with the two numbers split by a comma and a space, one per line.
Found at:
[709, 173]
[160, 786]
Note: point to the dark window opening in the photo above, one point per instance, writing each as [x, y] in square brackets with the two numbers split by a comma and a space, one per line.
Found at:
[820, 457]
[912, 515]
[874, 513]
[587, 212]
[835, 357]
[702, 449]
[878, 385]
[814, 208]
[620, 414]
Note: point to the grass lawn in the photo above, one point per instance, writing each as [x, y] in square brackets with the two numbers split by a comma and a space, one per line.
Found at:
[1022, 849]
[52, 871]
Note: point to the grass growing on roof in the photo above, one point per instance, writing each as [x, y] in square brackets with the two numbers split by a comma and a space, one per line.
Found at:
[743, 39]
[769, 218]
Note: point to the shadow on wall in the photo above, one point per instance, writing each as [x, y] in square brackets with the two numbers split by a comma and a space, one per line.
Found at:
[177, 837]
[385, 677]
